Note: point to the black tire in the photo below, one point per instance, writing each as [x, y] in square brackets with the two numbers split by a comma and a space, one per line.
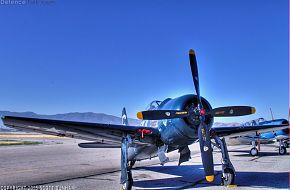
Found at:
[282, 150]
[131, 164]
[228, 177]
[128, 185]
[254, 152]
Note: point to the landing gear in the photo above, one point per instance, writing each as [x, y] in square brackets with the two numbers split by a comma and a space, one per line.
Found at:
[129, 183]
[285, 144]
[126, 166]
[254, 151]
[161, 154]
[282, 148]
[184, 154]
[131, 164]
[228, 170]
[228, 177]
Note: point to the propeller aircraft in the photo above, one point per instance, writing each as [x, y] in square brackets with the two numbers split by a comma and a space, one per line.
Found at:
[178, 122]
[255, 139]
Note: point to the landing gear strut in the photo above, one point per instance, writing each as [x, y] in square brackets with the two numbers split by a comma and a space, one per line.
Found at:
[126, 174]
[228, 170]
[282, 148]
[129, 183]
[254, 151]
[131, 164]
[285, 144]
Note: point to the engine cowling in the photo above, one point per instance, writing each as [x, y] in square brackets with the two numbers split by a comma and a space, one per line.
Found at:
[182, 131]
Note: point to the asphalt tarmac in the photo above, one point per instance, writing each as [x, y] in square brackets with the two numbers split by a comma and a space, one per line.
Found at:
[59, 163]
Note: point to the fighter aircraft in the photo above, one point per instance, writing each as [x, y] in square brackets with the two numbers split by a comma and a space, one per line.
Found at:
[255, 139]
[178, 122]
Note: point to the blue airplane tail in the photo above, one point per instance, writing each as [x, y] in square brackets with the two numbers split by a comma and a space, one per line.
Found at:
[124, 117]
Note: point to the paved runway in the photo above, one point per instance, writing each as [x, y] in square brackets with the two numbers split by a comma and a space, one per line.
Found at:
[60, 162]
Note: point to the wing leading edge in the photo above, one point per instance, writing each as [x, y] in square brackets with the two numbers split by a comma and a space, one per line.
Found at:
[244, 130]
[98, 132]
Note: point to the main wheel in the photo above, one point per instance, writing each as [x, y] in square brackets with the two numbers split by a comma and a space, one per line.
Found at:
[128, 185]
[254, 152]
[282, 150]
[228, 177]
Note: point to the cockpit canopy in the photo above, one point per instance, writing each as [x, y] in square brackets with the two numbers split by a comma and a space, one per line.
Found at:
[153, 105]
[254, 122]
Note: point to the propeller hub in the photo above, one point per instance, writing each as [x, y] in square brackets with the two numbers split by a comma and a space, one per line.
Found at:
[202, 112]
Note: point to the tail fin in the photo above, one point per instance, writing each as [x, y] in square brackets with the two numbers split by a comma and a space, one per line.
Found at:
[124, 117]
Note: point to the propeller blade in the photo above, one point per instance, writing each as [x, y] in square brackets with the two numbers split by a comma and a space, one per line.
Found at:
[230, 111]
[161, 114]
[194, 72]
[206, 151]
[203, 129]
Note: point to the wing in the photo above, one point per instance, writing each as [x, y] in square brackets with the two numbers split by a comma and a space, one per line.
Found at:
[244, 130]
[98, 132]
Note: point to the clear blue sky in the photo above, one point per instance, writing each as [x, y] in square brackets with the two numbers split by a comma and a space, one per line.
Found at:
[98, 56]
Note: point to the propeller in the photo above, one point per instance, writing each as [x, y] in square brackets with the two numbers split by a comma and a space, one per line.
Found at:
[228, 111]
[203, 129]
[162, 114]
[201, 113]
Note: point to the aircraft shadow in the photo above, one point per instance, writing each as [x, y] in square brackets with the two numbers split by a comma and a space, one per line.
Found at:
[261, 154]
[191, 176]
[185, 173]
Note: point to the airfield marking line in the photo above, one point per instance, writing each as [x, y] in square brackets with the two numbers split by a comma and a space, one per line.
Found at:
[72, 178]
[255, 158]
[28, 136]
[18, 171]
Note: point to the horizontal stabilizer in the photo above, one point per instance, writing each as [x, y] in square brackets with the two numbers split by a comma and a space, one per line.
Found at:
[98, 145]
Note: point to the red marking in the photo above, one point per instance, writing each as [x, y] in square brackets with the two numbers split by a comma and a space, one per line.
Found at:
[144, 131]
[202, 112]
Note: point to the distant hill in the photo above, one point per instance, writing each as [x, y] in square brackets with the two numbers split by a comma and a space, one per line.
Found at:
[221, 124]
[75, 116]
